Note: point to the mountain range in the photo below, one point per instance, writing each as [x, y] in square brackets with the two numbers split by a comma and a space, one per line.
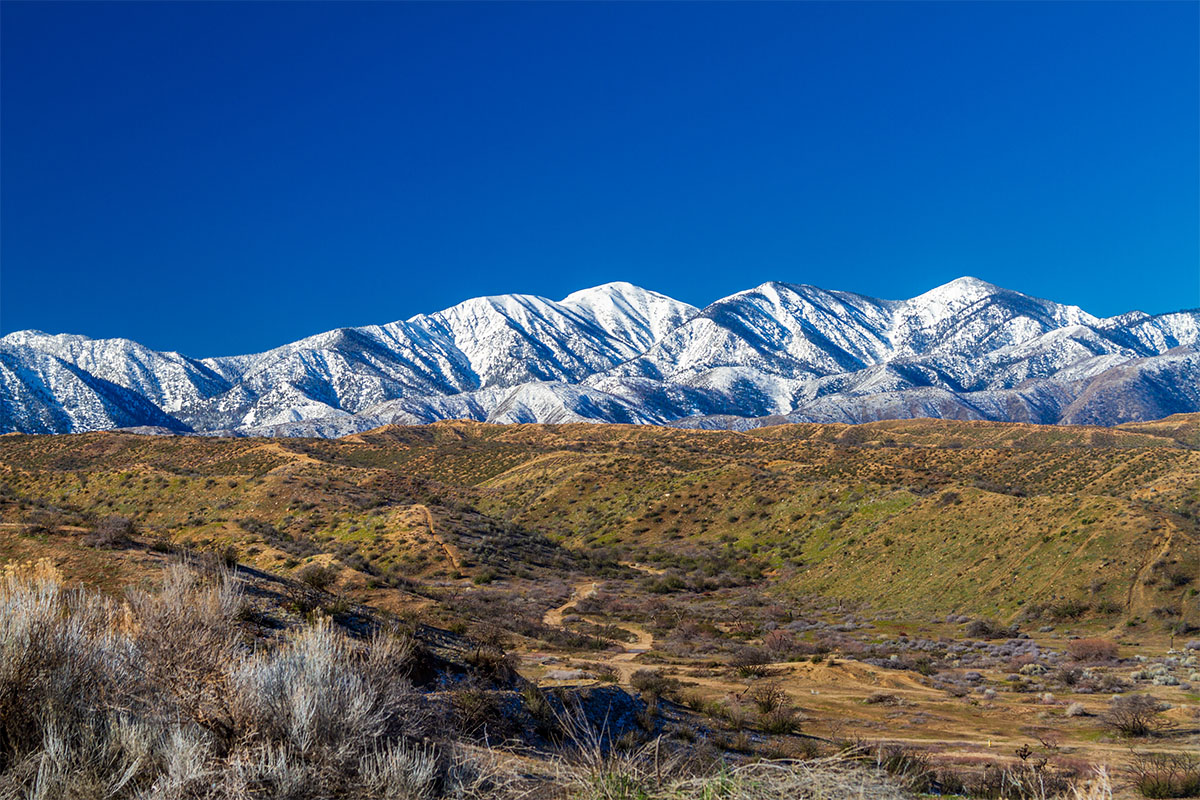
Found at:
[618, 353]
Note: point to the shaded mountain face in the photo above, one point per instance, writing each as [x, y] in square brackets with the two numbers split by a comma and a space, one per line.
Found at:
[619, 353]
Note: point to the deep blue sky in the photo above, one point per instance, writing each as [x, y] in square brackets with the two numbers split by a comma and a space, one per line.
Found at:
[221, 178]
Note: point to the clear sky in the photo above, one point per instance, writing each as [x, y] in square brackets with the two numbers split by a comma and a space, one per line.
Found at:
[221, 178]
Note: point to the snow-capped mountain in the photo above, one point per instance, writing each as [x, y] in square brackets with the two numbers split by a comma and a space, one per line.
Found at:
[619, 353]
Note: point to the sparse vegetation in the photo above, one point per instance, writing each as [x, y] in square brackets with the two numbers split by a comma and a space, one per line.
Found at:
[1092, 650]
[1166, 774]
[168, 703]
[1133, 715]
[794, 590]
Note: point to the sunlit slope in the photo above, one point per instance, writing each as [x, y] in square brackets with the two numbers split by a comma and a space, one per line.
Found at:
[924, 516]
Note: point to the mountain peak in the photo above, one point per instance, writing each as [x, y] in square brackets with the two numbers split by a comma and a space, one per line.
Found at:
[611, 289]
[965, 287]
[619, 353]
[635, 316]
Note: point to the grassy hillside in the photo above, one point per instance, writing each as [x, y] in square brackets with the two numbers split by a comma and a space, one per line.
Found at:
[955, 594]
[926, 516]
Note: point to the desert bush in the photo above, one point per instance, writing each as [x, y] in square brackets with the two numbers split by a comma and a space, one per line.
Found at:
[882, 698]
[69, 681]
[750, 662]
[39, 521]
[539, 708]
[984, 628]
[59, 664]
[324, 696]
[606, 674]
[1092, 649]
[1165, 774]
[318, 576]
[186, 637]
[768, 696]
[400, 771]
[111, 532]
[653, 684]
[909, 766]
[779, 643]
[161, 700]
[492, 662]
[477, 711]
[1067, 610]
[1026, 780]
[1132, 715]
[1068, 676]
[781, 720]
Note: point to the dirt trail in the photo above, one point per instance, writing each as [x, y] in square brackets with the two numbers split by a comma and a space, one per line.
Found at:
[1137, 585]
[554, 616]
[451, 556]
[642, 568]
[622, 662]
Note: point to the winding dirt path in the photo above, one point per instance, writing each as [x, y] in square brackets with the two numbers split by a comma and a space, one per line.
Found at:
[623, 661]
[554, 616]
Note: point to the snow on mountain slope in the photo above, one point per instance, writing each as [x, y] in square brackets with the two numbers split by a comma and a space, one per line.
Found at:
[630, 314]
[40, 393]
[1139, 390]
[775, 329]
[513, 339]
[619, 353]
[168, 380]
[969, 315]
[1166, 331]
[500, 341]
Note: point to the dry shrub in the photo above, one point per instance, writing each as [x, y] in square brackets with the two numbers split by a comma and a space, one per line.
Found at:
[653, 684]
[186, 636]
[768, 696]
[781, 720]
[1133, 715]
[1165, 774]
[984, 628]
[477, 711]
[111, 532]
[815, 779]
[58, 660]
[779, 643]
[66, 674]
[882, 698]
[750, 662]
[318, 576]
[1092, 650]
[324, 696]
[161, 700]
